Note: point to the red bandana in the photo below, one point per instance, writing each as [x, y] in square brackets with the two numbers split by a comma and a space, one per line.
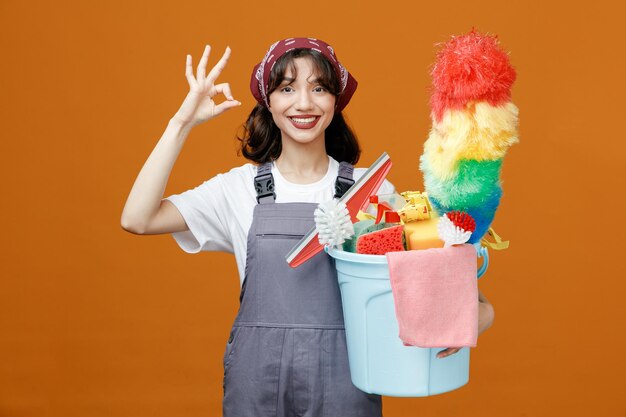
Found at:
[259, 82]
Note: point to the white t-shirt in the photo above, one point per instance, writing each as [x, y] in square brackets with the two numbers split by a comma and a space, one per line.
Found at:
[218, 212]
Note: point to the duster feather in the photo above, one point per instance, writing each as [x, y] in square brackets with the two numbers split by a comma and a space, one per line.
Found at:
[481, 132]
[472, 67]
[474, 123]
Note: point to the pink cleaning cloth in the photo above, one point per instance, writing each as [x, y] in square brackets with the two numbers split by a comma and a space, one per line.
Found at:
[436, 296]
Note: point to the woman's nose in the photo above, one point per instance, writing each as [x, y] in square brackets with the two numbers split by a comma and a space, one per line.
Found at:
[304, 101]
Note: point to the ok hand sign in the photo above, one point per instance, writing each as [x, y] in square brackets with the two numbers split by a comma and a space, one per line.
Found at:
[199, 106]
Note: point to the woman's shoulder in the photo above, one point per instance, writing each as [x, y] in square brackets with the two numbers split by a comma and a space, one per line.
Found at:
[245, 172]
[237, 181]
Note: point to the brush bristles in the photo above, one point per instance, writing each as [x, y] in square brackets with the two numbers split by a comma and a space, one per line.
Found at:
[462, 220]
[333, 223]
[450, 233]
[482, 214]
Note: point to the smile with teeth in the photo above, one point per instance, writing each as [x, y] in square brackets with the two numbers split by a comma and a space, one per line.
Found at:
[303, 120]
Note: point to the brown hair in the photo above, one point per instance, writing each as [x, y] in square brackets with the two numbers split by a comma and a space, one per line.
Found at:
[261, 138]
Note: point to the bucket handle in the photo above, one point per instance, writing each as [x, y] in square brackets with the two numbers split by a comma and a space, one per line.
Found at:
[482, 252]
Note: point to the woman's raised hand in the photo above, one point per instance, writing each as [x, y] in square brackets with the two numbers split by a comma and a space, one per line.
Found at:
[199, 105]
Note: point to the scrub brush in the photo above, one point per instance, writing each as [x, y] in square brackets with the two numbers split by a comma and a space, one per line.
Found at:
[333, 223]
[455, 228]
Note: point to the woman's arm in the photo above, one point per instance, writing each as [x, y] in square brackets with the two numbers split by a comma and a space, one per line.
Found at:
[145, 212]
[485, 313]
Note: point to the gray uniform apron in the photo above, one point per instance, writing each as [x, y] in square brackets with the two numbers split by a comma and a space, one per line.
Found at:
[286, 355]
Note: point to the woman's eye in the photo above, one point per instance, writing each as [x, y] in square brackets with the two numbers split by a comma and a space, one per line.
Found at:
[319, 89]
[286, 89]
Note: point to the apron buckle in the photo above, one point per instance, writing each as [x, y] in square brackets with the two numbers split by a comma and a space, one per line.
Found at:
[342, 184]
[264, 185]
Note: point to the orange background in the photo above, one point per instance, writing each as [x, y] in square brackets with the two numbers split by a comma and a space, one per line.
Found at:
[95, 321]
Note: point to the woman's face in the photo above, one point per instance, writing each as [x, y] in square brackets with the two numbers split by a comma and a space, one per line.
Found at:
[301, 107]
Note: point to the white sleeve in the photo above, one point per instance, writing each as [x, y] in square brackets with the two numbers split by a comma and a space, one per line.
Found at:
[204, 210]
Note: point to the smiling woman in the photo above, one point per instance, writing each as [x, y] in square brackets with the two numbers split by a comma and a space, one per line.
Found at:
[287, 352]
[301, 107]
[303, 83]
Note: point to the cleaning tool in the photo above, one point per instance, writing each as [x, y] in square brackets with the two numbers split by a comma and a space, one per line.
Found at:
[423, 234]
[455, 228]
[355, 199]
[436, 296]
[381, 241]
[333, 223]
[393, 335]
[360, 228]
[380, 362]
[474, 123]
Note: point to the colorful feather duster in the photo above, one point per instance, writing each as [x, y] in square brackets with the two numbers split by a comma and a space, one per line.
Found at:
[474, 123]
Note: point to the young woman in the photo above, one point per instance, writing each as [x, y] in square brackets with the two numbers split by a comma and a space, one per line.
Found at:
[286, 354]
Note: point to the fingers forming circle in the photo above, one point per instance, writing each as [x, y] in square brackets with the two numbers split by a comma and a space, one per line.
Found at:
[226, 105]
[224, 88]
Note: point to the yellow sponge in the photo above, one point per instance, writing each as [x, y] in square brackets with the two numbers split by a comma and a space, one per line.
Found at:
[423, 234]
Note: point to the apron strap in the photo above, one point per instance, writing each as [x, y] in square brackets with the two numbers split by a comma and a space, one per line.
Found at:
[344, 179]
[264, 184]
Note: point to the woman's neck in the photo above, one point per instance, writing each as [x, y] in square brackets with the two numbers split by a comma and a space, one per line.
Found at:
[303, 163]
